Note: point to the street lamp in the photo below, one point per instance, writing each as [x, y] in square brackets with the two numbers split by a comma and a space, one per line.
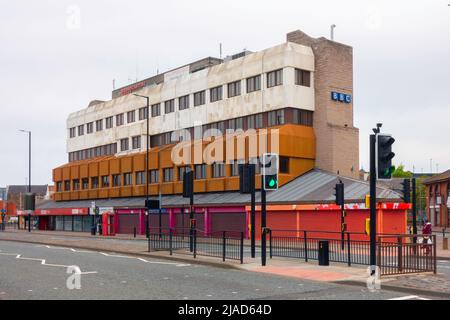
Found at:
[146, 164]
[29, 172]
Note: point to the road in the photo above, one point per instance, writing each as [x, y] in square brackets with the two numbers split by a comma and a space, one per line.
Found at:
[30, 271]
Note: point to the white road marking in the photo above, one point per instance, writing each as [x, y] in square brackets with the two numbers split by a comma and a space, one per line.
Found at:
[409, 298]
[43, 261]
[116, 256]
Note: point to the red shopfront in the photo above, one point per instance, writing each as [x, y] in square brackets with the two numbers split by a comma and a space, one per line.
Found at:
[65, 219]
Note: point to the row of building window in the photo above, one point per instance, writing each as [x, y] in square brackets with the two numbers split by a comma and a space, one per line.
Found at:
[126, 179]
[254, 121]
[274, 78]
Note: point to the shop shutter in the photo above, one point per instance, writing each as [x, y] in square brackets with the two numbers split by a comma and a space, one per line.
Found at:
[228, 222]
[87, 223]
[154, 222]
[127, 223]
[77, 224]
[59, 225]
[68, 223]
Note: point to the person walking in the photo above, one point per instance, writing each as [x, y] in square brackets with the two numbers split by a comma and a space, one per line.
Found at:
[426, 232]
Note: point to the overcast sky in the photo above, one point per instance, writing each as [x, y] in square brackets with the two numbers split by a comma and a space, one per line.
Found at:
[56, 56]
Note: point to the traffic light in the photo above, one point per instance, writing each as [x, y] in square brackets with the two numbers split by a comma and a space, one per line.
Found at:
[188, 184]
[339, 193]
[270, 171]
[29, 201]
[246, 178]
[406, 190]
[384, 156]
[152, 204]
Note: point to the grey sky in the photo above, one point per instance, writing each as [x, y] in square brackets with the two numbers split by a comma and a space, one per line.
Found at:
[49, 67]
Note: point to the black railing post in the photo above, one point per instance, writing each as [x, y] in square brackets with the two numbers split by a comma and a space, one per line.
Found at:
[242, 247]
[400, 254]
[349, 254]
[224, 246]
[134, 232]
[434, 255]
[306, 245]
[195, 242]
[270, 243]
[170, 240]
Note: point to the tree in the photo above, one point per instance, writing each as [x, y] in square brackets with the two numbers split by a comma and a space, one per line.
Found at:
[400, 172]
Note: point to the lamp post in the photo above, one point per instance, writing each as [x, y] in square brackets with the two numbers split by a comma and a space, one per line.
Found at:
[29, 173]
[147, 231]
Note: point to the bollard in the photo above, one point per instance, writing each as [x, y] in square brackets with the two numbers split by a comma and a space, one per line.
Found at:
[134, 232]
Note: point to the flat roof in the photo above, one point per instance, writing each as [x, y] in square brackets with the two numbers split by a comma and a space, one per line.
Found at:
[315, 186]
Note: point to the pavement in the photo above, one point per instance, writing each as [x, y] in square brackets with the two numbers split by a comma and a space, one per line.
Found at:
[428, 285]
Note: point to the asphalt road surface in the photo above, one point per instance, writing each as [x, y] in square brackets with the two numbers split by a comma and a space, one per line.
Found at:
[30, 271]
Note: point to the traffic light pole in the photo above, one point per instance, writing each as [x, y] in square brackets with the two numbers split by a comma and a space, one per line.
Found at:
[373, 201]
[252, 219]
[263, 222]
[191, 227]
[342, 226]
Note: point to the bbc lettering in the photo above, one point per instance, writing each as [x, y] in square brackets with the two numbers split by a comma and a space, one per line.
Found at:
[341, 97]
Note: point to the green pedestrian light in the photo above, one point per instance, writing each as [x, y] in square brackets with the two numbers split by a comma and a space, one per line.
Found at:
[272, 183]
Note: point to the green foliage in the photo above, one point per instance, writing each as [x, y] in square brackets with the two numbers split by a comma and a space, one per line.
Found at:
[400, 172]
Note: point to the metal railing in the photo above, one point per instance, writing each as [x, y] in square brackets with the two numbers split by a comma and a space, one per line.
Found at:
[396, 254]
[8, 226]
[304, 244]
[406, 254]
[226, 245]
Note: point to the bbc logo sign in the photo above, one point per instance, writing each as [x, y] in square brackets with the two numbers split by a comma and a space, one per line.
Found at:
[341, 97]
